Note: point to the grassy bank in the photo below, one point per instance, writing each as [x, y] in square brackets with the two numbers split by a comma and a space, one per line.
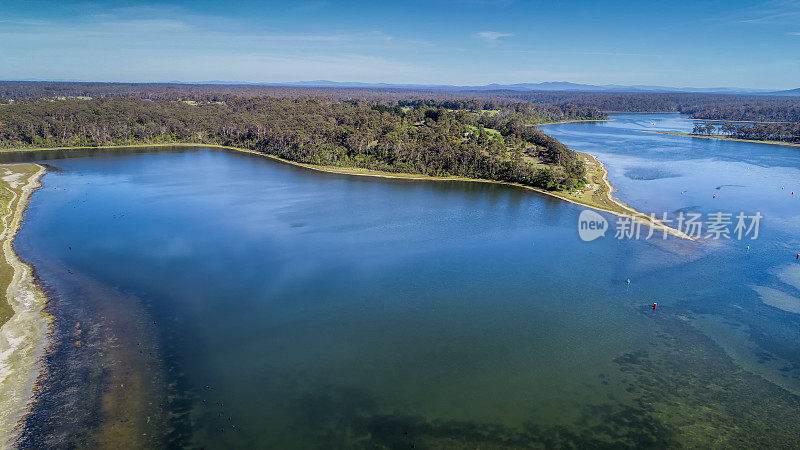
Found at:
[6, 271]
[10, 196]
[722, 138]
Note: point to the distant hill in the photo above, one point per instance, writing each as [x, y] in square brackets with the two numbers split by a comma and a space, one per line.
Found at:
[567, 86]
[789, 92]
[544, 86]
[547, 86]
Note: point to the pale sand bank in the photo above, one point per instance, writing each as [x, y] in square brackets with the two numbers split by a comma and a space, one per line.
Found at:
[22, 337]
[778, 299]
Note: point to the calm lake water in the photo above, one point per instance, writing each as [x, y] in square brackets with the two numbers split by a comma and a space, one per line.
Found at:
[227, 299]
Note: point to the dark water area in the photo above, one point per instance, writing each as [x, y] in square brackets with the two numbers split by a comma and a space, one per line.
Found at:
[253, 303]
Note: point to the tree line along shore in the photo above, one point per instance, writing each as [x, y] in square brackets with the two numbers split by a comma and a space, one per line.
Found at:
[773, 132]
[441, 140]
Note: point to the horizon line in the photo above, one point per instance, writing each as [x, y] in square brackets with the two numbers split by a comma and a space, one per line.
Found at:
[612, 87]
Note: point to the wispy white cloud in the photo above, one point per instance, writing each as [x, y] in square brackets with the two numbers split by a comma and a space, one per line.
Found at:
[23, 22]
[559, 51]
[143, 25]
[133, 31]
[492, 37]
[771, 12]
[166, 43]
[305, 39]
[773, 18]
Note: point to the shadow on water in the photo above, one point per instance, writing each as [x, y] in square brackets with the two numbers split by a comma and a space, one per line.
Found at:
[34, 155]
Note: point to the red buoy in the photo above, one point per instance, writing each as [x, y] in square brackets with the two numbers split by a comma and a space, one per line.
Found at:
[714, 196]
[655, 305]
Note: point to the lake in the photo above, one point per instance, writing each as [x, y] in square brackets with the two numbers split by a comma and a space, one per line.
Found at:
[217, 299]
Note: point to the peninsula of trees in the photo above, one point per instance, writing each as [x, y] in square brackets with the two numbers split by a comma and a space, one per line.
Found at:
[774, 131]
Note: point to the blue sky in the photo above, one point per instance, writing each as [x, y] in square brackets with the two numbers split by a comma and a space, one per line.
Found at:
[469, 42]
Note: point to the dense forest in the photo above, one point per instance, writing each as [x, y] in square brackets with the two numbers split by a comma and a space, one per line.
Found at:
[729, 107]
[783, 132]
[458, 138]
[784, 109]
[476, 134]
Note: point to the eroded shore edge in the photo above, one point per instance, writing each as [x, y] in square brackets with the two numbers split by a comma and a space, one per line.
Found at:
[24, 335]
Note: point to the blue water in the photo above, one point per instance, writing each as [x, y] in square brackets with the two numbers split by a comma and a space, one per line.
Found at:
[286, 308]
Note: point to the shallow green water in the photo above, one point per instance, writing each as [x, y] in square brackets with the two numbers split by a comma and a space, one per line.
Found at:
[286, 308]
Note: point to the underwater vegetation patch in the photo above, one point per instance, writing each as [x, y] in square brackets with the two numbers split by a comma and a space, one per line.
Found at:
[686, 393]
[350, 418]
[692, 386]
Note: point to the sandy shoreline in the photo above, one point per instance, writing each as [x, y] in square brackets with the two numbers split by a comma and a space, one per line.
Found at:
[23, 336]
[632, 212]
[721, 138]
[615, 206]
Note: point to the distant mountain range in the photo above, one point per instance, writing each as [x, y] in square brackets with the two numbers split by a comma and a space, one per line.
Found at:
[789, 92]
[544, 86]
